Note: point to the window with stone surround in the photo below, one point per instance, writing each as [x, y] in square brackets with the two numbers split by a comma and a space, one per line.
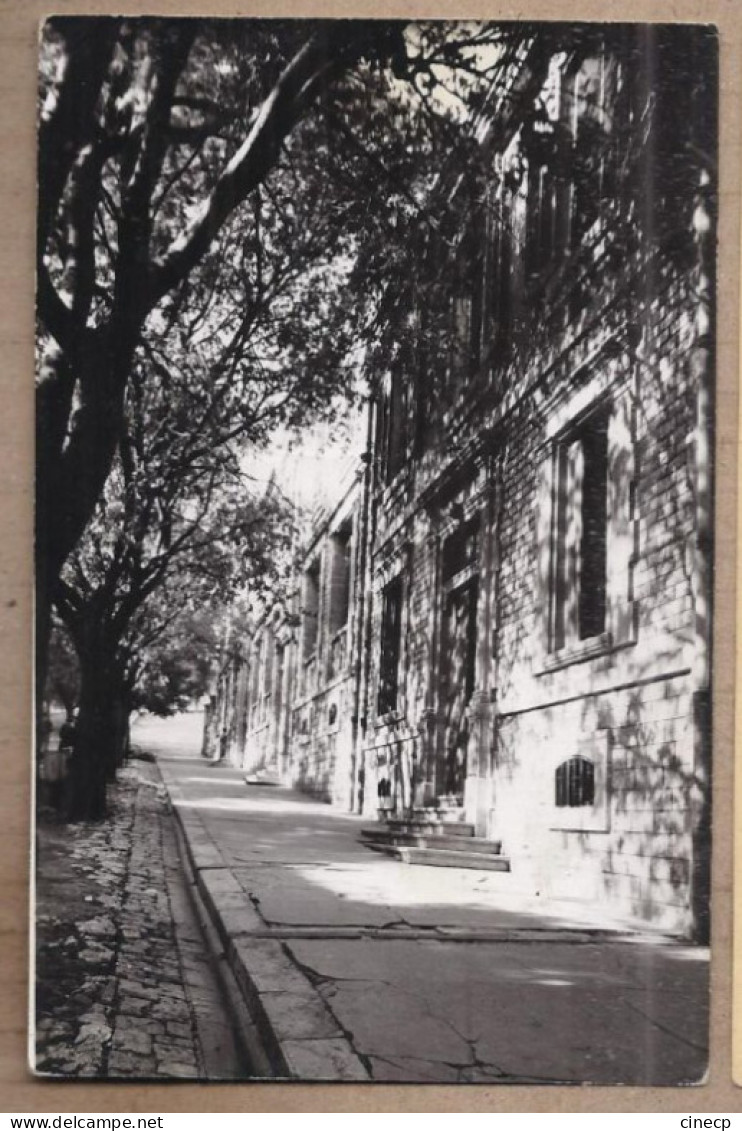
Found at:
[461, 585]
[393, 423]
[461, 550]
[310, 610]
[586, 528]
[481, 296]
[391, 642]
[580, 536]
[340, 578]
[579, 782]
[340, 581]
[573, 146]
[574, 783]
[268, 672]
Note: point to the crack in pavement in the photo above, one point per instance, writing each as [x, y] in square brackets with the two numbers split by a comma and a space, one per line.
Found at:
[316, 979]
[309, 972]
[433, 1075]
[474, 1061]
[402, 1063]
[665, 1029]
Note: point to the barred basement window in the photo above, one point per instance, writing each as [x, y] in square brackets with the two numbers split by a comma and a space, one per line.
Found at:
[391, 640]
[575, 783]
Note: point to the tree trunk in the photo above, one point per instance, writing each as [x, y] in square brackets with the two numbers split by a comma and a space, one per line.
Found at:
[121, 711]
[42, 629]
[100, 733]
[70, 478]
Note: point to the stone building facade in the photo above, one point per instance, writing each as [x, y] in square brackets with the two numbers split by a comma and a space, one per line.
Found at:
[507, 614]
[286, 699]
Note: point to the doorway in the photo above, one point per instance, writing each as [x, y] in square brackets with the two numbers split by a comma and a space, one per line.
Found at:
[458, 657]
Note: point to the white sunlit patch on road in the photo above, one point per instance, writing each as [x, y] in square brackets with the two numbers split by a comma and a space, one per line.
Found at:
[221, 781]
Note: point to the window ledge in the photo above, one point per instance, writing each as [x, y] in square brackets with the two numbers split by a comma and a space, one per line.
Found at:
[578, 652]
[389, 718]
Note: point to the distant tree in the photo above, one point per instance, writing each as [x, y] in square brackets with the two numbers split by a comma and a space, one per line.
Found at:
[125, 597]
[63, 683]
[177, 529]
[174, 668]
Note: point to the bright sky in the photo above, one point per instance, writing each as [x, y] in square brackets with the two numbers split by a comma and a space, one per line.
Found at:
[311, 468]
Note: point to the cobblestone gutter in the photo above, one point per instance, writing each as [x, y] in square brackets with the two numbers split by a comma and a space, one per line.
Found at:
[112, 995]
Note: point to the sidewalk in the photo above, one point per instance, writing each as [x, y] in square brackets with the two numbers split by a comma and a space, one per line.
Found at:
[357, 967]
[124, 986]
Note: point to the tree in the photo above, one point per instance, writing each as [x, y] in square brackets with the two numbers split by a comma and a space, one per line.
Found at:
[175, 668]
[153, 133]
[126, 591]
[64, 669]
[143, 159]
[220, 369]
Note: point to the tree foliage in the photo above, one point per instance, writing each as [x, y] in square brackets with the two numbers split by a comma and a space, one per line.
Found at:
[176, 534]
[155, 137]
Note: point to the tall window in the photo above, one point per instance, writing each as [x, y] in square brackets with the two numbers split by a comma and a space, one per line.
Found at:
[547, 203]
[340, 580]
[393, 423]
[337, 653]
[461, 584]
[310, 610]
[391, 642]
[461, 550]
[257, 660]
[502, 278]
[268, 672]
[581, 532]
[571, 146]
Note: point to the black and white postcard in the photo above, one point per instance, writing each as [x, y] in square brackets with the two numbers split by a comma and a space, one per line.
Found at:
[376, 370]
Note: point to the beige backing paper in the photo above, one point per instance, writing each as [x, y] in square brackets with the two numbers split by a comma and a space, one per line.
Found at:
[19, 1091]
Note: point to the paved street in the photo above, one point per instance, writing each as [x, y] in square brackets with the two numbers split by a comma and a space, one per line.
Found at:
[327, 960]
[358, 967]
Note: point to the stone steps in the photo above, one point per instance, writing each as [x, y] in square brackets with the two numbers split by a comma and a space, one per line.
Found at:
[438, 839]
[442, 811]
[444, 857]
[262, 777]
[437, 836]
[397, 826]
